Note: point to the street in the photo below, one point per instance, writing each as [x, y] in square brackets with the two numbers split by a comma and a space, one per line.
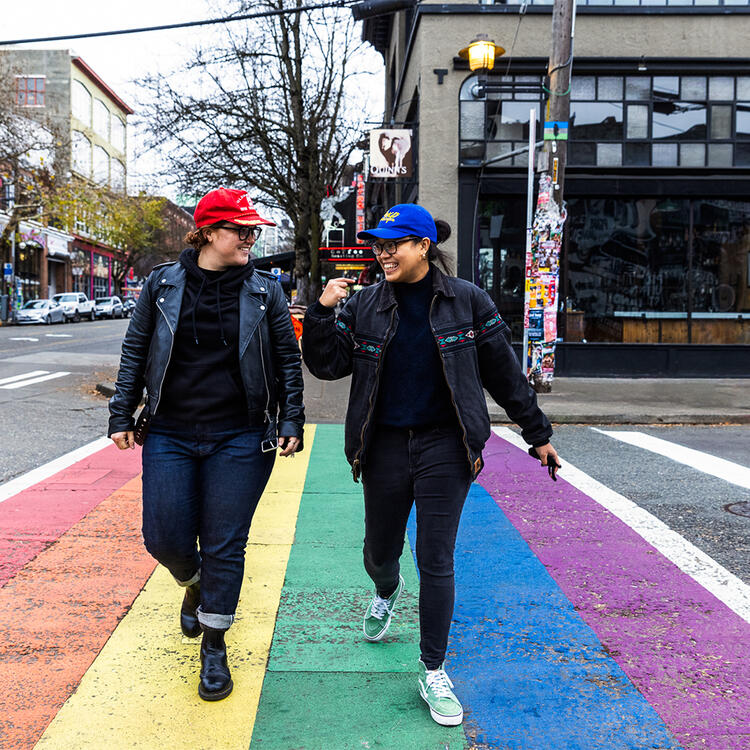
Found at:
[607, 610]
[45, 418]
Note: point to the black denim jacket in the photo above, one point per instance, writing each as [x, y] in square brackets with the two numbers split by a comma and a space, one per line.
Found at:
[269, 356]
[474, 346]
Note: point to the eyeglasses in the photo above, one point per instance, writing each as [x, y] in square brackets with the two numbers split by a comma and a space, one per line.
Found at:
[243, 232]
[390, 247]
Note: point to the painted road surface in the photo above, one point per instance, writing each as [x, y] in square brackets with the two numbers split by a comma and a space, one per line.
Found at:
[573, 627]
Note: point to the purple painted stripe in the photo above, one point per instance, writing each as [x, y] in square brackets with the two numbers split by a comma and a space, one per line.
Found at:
[685, 651]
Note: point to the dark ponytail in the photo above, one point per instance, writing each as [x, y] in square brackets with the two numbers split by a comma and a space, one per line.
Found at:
[435, 254]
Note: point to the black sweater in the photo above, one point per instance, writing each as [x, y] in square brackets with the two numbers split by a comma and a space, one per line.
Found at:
[203, 383]
[413, 391]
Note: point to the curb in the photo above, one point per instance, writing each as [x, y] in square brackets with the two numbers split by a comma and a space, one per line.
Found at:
[636, 419]
[106, 389]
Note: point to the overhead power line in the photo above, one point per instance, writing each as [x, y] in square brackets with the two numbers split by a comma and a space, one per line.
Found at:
[184, 24]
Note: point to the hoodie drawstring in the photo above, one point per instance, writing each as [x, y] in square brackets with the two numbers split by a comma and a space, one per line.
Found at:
[195, 304]
[218, 307]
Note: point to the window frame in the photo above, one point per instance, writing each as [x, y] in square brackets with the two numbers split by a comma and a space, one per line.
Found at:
[35, 92]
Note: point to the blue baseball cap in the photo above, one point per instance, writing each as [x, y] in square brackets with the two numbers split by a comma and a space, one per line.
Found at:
[403, 220]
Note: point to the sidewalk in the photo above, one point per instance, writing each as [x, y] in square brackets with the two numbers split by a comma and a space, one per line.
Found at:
[556, 642]
[584, 400]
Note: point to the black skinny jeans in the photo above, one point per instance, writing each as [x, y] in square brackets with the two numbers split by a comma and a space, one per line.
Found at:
[427, 466]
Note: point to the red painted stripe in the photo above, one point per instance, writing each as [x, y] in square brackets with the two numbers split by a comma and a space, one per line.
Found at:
[58, 611]
[34, 518]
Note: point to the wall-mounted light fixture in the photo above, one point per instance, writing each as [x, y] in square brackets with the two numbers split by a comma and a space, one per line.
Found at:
[481, 53]
[642, 64]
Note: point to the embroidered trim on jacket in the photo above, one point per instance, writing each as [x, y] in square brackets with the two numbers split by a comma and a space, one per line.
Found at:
[454, 338]
[344, 327]
[489, 323]
[368, 349]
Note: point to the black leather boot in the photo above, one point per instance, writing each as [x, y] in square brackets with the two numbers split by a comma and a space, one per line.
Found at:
[188, 616]
[216, 681]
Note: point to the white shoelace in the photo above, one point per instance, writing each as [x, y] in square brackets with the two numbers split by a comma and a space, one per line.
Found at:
[380, 607]
[439, 682]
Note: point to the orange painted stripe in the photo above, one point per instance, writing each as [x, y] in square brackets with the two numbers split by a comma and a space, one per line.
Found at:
[58, 611]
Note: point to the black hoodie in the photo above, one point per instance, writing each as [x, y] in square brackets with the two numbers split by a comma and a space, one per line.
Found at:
[203, 382]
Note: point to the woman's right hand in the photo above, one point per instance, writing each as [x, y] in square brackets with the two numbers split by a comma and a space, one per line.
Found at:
[123, 440]
[335, 291]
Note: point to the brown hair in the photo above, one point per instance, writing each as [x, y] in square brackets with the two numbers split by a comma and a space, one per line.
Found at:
[197, 238]
[435, 254]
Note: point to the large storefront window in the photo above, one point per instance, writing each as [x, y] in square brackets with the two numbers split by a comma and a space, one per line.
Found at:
[634, 273]
[80, 266]
[693, 121]
[630, 270]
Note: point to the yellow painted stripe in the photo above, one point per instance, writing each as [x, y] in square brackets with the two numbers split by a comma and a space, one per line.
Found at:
[141, 691]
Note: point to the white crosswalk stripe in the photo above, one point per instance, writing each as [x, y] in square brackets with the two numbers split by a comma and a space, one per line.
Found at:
[21, 381]
[25, 375]
[715, 578]
[705, 462]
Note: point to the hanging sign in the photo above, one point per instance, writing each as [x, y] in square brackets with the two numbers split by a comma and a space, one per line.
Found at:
[390, 153]
[542, 283]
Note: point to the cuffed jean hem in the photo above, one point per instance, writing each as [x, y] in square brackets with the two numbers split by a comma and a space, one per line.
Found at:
[190, 581]
[214, 621]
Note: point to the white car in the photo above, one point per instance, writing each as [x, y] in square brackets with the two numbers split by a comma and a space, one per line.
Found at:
[40, 311]
[76, 305]
[108, 307]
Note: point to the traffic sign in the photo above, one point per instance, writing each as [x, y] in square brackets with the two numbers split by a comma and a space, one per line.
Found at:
[7, 269]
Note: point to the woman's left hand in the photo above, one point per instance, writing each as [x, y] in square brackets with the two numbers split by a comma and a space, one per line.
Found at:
[288, 445]
[549, 458]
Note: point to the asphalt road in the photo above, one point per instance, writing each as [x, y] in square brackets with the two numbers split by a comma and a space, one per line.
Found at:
[41, 421]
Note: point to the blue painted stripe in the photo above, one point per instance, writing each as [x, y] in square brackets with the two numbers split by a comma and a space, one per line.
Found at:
[529, 671]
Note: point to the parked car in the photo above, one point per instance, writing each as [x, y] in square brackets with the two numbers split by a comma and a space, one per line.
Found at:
[128, 305]
[41, 311]
[76, 305]
[109, 307]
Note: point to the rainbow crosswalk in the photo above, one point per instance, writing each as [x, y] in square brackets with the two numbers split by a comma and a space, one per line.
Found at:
[570, 630]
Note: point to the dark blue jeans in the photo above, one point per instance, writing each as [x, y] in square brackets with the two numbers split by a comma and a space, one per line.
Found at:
[428, 467]
[203, 485]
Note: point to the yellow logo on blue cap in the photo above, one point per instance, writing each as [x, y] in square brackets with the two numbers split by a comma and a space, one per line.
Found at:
[390, 216]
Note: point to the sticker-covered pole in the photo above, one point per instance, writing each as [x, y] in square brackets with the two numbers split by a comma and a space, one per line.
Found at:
[529, 230]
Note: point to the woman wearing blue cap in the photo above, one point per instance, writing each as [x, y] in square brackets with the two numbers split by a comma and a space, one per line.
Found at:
[421, 347]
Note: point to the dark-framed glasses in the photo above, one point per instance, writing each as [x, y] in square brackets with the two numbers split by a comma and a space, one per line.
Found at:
[390, 246]
[243, 232]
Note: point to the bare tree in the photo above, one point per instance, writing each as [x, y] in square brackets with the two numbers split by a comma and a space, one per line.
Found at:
[264, 108]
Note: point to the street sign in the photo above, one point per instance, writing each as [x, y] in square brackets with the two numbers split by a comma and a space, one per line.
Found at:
[7, 269]
[276, 271]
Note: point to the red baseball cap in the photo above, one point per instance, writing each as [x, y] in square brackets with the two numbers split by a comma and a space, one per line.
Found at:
[226, 204]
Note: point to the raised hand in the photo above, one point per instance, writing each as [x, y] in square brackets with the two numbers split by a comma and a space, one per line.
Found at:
[335, 291]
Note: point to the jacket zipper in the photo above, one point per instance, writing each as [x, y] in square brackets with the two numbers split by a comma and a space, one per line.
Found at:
[453, 397]
[356, 462]
[265, 378]
[169, 359]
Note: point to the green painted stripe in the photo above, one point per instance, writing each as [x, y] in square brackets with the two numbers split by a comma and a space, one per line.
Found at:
[326, 687]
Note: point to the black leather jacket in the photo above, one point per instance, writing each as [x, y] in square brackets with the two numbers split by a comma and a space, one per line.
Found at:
[269, 356]
[474, 346]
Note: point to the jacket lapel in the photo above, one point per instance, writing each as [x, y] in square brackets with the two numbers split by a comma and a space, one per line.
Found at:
[170, 286]
[253, 306]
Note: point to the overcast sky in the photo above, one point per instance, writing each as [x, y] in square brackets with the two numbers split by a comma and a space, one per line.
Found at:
[121, 60]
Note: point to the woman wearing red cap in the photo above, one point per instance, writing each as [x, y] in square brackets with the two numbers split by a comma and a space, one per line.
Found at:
[212, 342]
[421, 346]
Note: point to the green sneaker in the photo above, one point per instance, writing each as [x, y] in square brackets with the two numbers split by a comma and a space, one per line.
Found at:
[435, 689]
[378, 613]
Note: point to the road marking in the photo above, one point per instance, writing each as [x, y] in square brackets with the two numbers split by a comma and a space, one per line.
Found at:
[25, 375]
[14, 486]
[40, 379]
[59, 335]
[725, 586]
[22, 338]
[705, 462]
[161, 708]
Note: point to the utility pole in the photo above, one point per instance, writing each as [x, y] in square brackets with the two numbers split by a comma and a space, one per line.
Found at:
[558, 89]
